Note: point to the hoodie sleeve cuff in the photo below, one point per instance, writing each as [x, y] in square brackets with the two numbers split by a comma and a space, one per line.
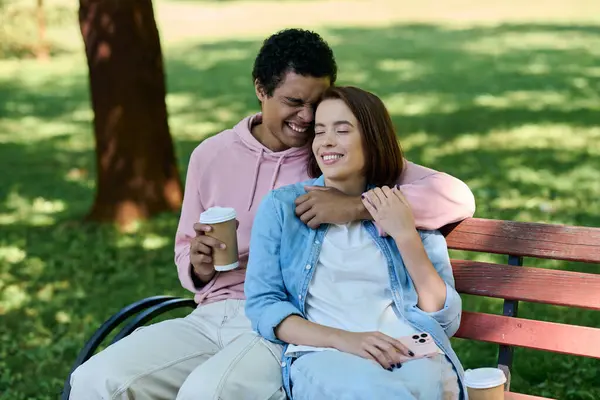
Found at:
[198, 284]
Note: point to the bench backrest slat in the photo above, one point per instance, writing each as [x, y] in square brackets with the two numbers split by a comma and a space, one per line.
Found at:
[525, 239]
[539, 335]
[539, 285]
[516, 283]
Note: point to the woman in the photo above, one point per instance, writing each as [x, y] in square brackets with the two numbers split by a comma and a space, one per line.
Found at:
[340, 297]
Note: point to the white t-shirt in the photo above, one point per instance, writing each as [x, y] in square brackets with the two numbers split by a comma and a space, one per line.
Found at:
[350, 288]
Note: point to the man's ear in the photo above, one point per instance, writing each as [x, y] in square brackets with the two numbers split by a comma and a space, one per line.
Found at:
[260, 91]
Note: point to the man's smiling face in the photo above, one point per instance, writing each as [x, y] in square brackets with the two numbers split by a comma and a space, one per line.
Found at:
[288, 115]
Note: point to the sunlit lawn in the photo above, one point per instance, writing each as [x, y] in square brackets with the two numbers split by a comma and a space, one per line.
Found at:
[513, 109]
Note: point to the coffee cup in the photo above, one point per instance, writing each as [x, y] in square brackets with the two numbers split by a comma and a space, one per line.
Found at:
[223, 223]
[485, 383]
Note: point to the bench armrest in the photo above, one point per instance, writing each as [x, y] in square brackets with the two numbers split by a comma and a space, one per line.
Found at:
[145, 310]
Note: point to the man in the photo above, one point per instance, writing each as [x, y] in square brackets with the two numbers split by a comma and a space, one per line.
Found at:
[212, 353]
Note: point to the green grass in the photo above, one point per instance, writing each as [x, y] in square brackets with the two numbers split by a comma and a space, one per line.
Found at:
[512, 109]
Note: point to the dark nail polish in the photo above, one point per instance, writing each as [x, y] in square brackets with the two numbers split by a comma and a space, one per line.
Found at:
[397, 186]
[410, 353]
[398, 365]
[389, 369]
[362, 196]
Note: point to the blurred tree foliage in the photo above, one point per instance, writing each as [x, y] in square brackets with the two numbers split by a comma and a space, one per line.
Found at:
[24, 25]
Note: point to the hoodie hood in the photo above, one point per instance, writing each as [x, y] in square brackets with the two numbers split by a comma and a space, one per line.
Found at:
[244, 131]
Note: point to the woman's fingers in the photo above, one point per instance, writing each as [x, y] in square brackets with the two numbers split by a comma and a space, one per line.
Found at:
[373, 198]
[380, 356]
[381, 196]
[368, 205]
[368, 356]
[398, 193]
[396, 351]
[387, 192]
[399, 346]
[389, 349]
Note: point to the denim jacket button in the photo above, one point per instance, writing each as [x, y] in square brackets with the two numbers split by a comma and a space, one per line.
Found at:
[307, 266]
[300, 296]
[283, 364]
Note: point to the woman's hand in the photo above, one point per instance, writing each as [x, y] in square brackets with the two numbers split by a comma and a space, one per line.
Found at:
[375, 346]
[390, 211]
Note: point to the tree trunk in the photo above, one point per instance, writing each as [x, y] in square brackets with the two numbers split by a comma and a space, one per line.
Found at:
[42, 52]
[137, 173]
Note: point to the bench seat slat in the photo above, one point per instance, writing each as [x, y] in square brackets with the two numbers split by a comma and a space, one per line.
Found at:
[538, 335]
[559, 242]
[539, 285]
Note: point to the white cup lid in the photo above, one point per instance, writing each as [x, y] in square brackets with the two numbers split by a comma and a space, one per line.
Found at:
[484, 378]
[214, 215]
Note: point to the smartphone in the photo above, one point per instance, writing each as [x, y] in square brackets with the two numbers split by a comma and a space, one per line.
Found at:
[421, 344]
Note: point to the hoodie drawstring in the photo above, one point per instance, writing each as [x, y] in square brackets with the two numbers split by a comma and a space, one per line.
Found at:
[276, 172]
[256, 169]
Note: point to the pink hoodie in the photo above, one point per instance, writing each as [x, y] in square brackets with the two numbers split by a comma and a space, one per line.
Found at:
[233, 169]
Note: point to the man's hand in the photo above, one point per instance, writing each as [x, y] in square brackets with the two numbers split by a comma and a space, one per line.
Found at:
[201, 251]
[323, 205]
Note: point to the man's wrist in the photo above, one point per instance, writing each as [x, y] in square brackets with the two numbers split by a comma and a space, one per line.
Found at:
[200, 280]
[359, 211]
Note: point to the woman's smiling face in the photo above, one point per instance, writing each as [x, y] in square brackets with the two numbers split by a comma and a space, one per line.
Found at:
[338, 142]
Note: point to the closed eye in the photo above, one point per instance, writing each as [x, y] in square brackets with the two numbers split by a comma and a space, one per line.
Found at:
[294, 102]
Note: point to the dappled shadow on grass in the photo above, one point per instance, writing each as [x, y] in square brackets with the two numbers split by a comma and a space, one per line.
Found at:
[74, 276]
[48, 100]
[538, 184]
[466, 63]
[42, 171]
[511, 110]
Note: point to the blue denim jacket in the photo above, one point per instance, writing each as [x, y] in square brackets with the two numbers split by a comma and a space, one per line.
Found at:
[284, 251]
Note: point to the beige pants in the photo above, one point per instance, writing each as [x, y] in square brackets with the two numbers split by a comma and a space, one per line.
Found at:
[210, 354]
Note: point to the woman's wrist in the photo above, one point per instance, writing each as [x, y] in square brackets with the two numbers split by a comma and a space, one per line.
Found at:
[407, 239]
[334, 338]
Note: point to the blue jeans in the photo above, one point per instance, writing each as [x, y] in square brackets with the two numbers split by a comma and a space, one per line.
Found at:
[342, 376]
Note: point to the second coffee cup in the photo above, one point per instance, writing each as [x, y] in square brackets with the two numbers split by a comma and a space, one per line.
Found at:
[485, 383]
[223, 223]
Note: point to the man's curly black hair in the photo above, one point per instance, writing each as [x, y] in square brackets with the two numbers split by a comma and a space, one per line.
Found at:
[296, 50]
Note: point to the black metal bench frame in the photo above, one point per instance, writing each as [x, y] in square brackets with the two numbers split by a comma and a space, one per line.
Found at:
[140, 313]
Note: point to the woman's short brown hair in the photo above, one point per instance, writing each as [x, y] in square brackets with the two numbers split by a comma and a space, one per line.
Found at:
[384, 161]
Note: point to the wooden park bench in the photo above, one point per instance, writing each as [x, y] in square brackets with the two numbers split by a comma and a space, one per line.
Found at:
[512, 282]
